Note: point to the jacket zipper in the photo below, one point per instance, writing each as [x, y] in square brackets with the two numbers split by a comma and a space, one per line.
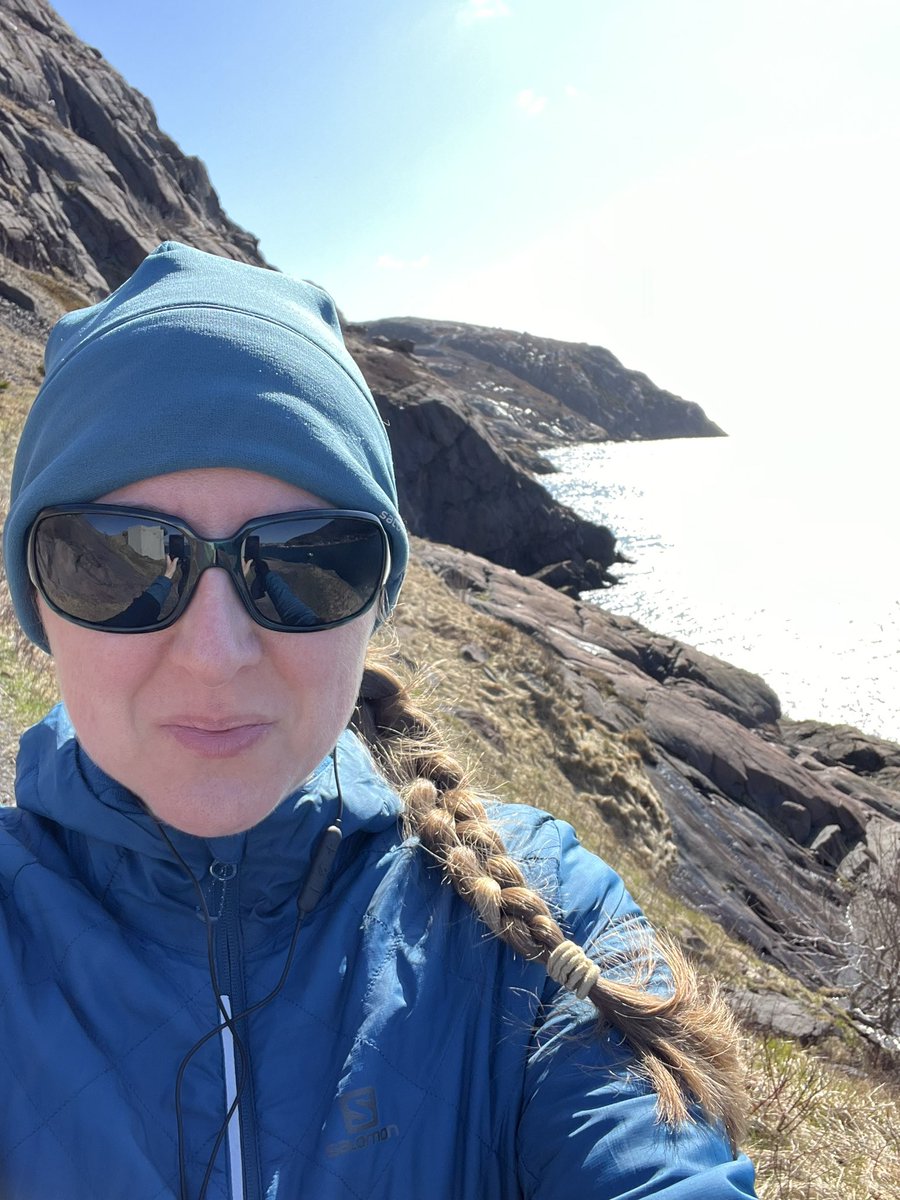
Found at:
[242, 1144]
[233, 1137]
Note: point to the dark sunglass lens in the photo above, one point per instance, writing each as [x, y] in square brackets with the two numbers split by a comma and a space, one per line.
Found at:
[305, 572]
[112, 570]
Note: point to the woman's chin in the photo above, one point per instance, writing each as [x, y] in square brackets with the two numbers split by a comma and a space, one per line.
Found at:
[213, 813]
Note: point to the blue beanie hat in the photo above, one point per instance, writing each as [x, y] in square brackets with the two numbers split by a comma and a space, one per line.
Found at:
[197, 361]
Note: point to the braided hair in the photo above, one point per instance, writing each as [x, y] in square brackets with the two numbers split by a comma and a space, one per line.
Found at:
[685, 1041]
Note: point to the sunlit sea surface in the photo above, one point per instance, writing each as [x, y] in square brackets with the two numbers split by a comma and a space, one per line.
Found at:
[780, 557]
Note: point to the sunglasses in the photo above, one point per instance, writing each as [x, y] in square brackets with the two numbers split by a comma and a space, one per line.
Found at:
[132, 570]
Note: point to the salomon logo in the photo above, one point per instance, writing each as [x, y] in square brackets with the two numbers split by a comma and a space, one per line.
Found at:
[359, 1110]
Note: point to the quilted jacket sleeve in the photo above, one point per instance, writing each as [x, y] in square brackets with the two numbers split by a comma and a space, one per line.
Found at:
[588, 1126]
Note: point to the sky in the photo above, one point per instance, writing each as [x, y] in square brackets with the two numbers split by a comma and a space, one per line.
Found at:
[708, 188]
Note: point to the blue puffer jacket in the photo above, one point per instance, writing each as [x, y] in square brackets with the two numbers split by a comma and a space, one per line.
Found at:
[407, 1055]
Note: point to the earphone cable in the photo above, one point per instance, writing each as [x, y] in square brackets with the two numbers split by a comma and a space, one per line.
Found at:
[319, 872]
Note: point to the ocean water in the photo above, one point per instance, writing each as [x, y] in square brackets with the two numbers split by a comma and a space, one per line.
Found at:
[778, 555]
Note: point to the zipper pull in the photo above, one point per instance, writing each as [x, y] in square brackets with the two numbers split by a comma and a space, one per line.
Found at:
[222, 873]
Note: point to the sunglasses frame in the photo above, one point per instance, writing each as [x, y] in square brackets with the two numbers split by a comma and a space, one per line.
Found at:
[209, 552]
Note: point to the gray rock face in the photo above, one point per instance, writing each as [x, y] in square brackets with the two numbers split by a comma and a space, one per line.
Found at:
[781, 1016]
[89, 184]
[867, 757]
[761, 834]
[458, 485]
[566, 391]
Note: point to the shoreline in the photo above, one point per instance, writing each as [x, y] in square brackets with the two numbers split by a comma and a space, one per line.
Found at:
[799, 597]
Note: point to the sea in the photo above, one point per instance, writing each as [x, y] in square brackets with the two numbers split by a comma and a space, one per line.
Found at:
[777, 555]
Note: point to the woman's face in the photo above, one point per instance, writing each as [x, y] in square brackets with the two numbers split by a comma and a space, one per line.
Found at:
[215, 720]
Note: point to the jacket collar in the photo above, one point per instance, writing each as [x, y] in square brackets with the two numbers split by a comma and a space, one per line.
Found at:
[117, 848]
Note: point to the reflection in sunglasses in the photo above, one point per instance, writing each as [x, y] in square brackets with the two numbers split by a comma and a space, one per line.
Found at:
[127, 570]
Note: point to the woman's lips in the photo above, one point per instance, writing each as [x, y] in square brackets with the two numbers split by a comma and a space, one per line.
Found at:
[217, 739]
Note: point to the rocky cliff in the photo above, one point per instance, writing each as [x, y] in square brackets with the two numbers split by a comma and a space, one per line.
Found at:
[458, 482]
[88, 181]
[565, 391]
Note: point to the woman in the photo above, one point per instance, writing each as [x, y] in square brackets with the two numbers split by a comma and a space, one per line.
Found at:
[231, 963]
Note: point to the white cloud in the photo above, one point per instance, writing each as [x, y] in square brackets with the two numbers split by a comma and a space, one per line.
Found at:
[389, 262]
[481, 10]
[530, 102]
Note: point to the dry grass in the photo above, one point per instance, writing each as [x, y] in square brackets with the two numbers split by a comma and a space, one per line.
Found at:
[502, 697]
[67, 297]
[27, 684]
[14, 404]
[819, 1133]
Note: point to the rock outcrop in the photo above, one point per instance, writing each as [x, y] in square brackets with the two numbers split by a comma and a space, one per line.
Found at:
[844, 746]
[88, 181]
[457, 483]
[765, 833]
[562, 391]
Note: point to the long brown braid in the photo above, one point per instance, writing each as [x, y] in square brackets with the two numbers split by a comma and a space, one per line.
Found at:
[685, 1042]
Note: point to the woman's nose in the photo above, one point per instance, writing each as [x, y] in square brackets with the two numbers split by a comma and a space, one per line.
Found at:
[215, 637]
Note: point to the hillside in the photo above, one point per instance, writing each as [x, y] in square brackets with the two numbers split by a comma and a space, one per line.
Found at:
[89, 184]
[559, 391]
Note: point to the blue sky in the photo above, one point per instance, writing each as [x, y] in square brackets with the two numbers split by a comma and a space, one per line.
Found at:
[709, 188]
